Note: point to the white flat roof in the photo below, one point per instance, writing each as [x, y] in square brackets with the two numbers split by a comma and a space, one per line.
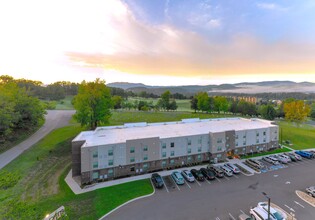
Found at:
[186, 127]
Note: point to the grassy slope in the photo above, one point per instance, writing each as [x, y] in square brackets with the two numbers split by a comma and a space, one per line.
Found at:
[280, 150]
[65, 104]
[302, 137]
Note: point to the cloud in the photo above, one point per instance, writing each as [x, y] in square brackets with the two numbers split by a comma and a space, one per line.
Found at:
[270, 6]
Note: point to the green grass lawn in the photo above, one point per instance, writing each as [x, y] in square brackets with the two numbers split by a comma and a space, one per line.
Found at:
[301, 137]
[121, 117]
[65, 104]
[280, 150]
[41, 188]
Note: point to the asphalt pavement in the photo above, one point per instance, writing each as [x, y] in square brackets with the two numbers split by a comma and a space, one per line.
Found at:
[226, 198]
[54, 119]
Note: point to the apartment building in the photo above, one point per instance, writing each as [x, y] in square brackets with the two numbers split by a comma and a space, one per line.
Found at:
[133, 149]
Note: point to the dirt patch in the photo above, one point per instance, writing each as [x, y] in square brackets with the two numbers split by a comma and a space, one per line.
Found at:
[307, 198]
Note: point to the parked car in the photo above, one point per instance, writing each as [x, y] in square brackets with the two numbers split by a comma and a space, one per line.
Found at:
[274, 213]
[233, 168]
[286, 157]
[291, 156]
[283, 160]
[197, 174]
[218, 172]
[259, 214]
[207, 173]
[178, 178]
[157, 180]
[245, 217]
[254, 163]
[298, 157]
[310, 191]
[188, 176]
[226, 171]
[305, 154]
[271, 159]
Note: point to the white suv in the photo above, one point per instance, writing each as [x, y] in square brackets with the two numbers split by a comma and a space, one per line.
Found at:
[259, 214]
[311, 191]
[273, 213]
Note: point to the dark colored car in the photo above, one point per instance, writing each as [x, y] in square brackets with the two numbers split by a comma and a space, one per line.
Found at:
[218, 172]
[207, 173]
[197, 174]
[157, 180]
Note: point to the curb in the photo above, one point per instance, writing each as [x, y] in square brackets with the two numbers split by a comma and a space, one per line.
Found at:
[132, 200]
[297, 193]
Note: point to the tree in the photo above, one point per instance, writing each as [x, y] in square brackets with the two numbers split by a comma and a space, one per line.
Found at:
[165, 100]
[92, 103]
[117, 102]
[221, 104]
[194, 103]
[296, 111]
[173, 106]
[233, 106]
[203, 102]
[268, 112]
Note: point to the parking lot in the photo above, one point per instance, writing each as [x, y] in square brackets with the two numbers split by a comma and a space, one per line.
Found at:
[227, 197]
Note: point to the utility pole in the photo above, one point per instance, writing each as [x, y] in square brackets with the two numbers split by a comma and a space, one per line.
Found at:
[265, 194]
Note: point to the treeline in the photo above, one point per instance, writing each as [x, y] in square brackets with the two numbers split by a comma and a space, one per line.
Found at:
[18, 109]
[271, 96]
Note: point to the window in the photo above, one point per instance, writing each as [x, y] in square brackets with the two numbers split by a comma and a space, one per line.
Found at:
[227, 138]
[199, 141]
[110, 162]
[244, 136]
[95, 164]
[172, 144]
[132, 149]
[257, 141]
[188, 150]
[163, 145]
[172, 153]
[163, 163]
[172, 162]
[227, 145]
[244, 149]
[132, 169]
[257, 134]
[95, 154]
[189, 158]
[163, 154]
[236, 144]
[145, 157]
[244, 143]
[219, 140]
[264, 133]
[132, 159]
[199, 149]
[110, 172]
[95, 175]
[236, 137]
[219, 148]
[145, 166]
[236, 151]
[145, 148]
[189, 142]
[199, 157]
[264, 139]
[219, 156]
[110, 152]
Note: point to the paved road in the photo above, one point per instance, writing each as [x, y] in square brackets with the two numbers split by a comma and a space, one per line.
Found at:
[229, 197]
[54, 119]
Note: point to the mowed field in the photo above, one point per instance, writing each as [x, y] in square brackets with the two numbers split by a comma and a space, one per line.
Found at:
[41, 170]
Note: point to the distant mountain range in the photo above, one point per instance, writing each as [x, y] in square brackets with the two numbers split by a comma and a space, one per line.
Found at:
[245, 87]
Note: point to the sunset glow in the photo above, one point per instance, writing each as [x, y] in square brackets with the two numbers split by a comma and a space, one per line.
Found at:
[158, 42]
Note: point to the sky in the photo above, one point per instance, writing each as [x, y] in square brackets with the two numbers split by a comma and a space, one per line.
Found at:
[158, 42]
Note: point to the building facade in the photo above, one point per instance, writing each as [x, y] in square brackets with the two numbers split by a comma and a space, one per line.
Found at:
[133, 149]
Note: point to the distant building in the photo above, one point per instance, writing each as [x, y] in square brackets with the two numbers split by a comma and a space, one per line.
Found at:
[132, 149]
[250, 99]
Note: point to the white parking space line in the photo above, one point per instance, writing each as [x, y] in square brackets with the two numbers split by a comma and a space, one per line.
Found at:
[299, 204]
[165, 186]
[208, 181]
[217, 218]
[226, 178]
[175, 184]
[231, 216]
[218, 179]
[242, 211]
[198, 182]
[188, 184]
[236, 176]
[289, 208]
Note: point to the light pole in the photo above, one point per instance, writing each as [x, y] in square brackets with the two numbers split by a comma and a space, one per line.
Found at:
[265, 194]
